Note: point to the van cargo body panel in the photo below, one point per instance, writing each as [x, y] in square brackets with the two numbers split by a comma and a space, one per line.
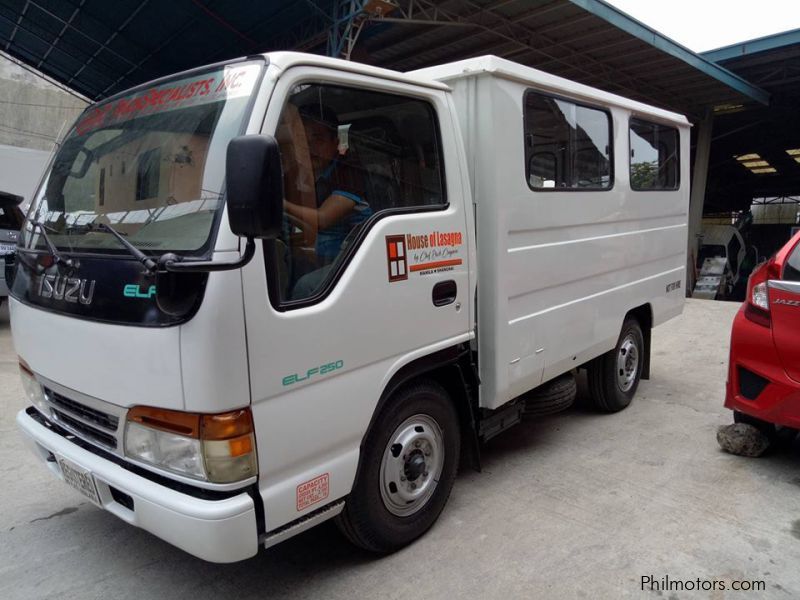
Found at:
[559, 269]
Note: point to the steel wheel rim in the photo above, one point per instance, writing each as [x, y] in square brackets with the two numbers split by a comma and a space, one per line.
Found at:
[411, 465]
[627, 363]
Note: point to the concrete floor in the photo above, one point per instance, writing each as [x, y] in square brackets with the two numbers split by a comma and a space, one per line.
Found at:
[579, 505]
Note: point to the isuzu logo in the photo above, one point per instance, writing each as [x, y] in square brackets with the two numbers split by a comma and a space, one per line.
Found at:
[68, 289]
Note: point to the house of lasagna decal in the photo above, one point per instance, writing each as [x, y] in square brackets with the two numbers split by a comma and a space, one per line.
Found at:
[426, 254]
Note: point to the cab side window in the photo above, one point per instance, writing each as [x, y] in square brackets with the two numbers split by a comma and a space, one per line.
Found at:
[349, 157]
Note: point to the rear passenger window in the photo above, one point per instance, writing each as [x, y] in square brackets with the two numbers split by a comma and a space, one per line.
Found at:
[654, 156]
[348, 155]
[791, 272]
[567, 145]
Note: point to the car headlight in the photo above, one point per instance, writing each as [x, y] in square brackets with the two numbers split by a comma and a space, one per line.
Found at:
[217, 448]
[34, 392]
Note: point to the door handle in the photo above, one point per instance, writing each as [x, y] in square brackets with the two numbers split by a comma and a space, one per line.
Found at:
[444, 293]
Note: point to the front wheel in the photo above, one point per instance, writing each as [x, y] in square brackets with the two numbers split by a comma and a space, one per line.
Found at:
[408, 465]
[614, 376]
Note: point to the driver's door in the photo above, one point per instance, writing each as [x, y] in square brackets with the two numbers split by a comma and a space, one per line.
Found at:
[335, 307]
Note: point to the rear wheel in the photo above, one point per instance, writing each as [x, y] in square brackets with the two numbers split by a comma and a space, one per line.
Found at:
[614, 376]
[408, 465]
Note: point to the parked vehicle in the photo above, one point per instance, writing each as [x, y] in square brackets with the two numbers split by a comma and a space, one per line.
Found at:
[719, 260]
[11, 218]
[266, 293]
[763, 385]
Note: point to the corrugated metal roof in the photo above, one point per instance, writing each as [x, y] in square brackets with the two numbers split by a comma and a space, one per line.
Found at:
[99, 47]
[771, 62]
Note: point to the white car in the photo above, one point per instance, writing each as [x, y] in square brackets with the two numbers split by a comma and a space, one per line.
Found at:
[11, 218]
[723, 241]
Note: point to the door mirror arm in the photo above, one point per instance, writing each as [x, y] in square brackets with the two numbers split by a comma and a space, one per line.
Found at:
[177, 264]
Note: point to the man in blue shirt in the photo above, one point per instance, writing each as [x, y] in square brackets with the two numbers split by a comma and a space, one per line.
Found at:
[339, 187]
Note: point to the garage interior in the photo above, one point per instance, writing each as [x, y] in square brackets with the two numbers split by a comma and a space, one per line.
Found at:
[755, 150]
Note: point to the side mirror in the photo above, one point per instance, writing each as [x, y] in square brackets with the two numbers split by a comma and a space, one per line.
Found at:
[254, 182]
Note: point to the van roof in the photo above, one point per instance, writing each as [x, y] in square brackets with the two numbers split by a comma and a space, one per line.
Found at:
[506, 69]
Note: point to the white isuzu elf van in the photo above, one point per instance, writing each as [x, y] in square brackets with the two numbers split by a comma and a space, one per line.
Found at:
[262, 294]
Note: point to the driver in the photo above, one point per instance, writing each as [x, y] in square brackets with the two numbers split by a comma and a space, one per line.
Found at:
[340, 204]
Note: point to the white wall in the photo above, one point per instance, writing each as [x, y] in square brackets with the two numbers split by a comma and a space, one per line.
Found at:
[33, 111]
[20, 170]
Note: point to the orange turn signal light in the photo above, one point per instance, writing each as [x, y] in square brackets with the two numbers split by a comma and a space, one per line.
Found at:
[223, 426]
[227, 425]
[173, 421]
[241, 445]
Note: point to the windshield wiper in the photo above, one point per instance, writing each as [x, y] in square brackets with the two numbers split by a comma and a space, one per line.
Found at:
[149, 264]
[51, 247]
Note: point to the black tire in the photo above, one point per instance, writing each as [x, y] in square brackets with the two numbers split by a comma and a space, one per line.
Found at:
[764, 427]
[607, 392]
[366, 519]
[552, 397]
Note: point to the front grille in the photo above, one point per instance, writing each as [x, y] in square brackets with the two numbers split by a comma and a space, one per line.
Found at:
[89, 423]
[85, 431]
[99, 418]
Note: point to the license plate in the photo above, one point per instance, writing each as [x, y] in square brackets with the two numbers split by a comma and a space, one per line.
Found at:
[79, 478]
[7, 248]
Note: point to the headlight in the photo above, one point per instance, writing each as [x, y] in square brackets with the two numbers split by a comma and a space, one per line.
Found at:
[218, 448]
[33, 389]
[174, 452]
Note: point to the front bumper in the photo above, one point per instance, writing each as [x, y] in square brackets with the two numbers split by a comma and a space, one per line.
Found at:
[752, 349]
[220, 531]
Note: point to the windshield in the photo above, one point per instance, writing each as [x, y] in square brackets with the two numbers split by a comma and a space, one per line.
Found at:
[150, 164]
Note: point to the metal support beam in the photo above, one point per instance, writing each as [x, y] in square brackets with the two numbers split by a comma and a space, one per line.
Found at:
[529, 40]
[641, 31]
[348, 20]
[64, 28]
[16, 26]
[104, 45]
[698, 192]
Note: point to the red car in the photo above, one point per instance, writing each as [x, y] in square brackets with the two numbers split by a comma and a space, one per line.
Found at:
[764, 369]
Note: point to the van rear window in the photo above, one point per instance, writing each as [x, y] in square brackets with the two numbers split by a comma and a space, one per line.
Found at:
[10, 217]
[654, 156]
[567, 145]
[791, 272]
